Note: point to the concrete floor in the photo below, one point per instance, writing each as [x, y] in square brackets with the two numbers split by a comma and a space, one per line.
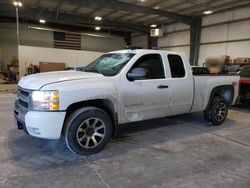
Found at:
[181, 151]
[7, 88]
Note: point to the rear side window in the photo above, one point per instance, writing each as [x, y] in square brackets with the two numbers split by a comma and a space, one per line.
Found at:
[153, 63]
[176, 66]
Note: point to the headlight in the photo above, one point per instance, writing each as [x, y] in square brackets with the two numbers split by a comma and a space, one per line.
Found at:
[45, 100]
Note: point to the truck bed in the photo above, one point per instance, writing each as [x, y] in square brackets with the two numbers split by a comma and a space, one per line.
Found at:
[203, 86]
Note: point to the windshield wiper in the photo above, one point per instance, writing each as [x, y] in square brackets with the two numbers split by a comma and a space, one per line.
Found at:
[92, 70]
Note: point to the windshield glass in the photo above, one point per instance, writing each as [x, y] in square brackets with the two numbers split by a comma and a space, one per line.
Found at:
[245, 72]
[109, 64]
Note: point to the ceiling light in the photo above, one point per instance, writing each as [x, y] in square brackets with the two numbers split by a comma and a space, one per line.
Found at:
[42, 21]
[17, 3]
[142, 1]
[98, 18]
[97, 28]
[208, 12]
[153, 25]
[157, 7]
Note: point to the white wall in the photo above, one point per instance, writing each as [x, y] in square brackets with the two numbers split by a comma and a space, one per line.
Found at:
[217, 39]
[42, 38]
[8, 45]
[176, 38]
[222, 39]
[102, 44]
[72, 58]
[139, 40]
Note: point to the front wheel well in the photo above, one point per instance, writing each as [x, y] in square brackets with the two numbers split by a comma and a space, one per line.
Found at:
[104, 104]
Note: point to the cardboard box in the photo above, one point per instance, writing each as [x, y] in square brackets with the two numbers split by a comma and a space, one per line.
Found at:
[51, 66]
[242, 60]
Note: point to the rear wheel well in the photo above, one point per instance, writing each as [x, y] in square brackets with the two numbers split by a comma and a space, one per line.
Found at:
[226, 92]
[104, 104]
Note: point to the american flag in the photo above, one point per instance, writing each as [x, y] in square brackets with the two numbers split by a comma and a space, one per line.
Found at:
[67, 40]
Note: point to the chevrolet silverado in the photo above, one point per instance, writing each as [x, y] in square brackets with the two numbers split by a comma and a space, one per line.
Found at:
[86, 107]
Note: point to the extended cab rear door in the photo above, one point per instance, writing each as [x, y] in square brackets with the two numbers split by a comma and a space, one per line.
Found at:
[180, 81]
[148, 97]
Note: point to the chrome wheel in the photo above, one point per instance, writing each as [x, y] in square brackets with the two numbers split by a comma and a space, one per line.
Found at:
[220, 111]
[90, 133]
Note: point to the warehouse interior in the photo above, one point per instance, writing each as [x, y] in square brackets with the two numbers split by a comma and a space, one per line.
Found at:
[38, 36]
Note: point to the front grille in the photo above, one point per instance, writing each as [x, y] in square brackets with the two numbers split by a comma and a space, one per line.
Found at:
[23, 96]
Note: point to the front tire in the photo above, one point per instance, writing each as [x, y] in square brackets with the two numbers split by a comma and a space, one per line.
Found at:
[217, 112]
[88, 130]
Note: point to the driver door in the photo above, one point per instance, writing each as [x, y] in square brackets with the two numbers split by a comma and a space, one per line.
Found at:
[147, 97]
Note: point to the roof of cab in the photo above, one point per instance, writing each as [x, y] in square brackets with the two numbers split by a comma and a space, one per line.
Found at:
[140, 51]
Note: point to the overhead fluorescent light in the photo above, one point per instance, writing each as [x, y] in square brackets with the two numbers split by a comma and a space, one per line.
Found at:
[153, 25]
[157, 7]
[17, 3]
[98, 18]
[97, 28]
[42, 21]
[208, 12]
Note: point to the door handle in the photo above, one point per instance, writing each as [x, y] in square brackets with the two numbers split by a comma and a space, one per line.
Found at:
[162, 86]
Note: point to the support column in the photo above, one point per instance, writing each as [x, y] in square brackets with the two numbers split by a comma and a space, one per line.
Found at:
[128, 40]
[195, 37]
[152, 42]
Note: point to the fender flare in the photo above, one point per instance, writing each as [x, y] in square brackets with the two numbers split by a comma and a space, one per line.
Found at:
[216, 90]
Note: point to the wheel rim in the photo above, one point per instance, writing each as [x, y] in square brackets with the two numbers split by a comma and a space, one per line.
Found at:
[220, 111]
[90, 133]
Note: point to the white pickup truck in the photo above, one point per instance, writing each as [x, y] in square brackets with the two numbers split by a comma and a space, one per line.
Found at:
[118, 87]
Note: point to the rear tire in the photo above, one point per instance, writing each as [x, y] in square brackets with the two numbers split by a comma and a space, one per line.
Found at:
[217, 112]
[88, 130]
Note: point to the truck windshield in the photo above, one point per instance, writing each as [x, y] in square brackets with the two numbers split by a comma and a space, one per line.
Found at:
[109, 64]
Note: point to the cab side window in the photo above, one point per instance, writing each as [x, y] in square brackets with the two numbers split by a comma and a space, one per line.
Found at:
[176, 66]
[153, 64]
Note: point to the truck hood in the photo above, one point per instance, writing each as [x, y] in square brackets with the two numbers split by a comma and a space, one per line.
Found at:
[36, 81]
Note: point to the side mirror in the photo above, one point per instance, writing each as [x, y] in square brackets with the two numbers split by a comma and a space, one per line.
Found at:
[137, 73]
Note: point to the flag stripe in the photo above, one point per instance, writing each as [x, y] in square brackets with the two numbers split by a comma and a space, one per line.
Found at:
[70, 39]
[68, 48]
[67, 40]
[72, 36]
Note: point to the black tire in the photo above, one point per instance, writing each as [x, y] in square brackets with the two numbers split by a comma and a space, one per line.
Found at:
[88, 130]
[217, 112]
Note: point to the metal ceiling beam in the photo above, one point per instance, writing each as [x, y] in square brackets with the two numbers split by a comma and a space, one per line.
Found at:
[76, 9]
[196, 6]
[185, 9]
[154, 20]
[167, 7]
[68, 28]
[158, 3]
[174, 5]
[136, 18]
[122, 6]
[59, 4]
[123, 16]
[68, 19]
[206, 4]
[232, 8]
[93, 12]
[108, 14]
[222, 6]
